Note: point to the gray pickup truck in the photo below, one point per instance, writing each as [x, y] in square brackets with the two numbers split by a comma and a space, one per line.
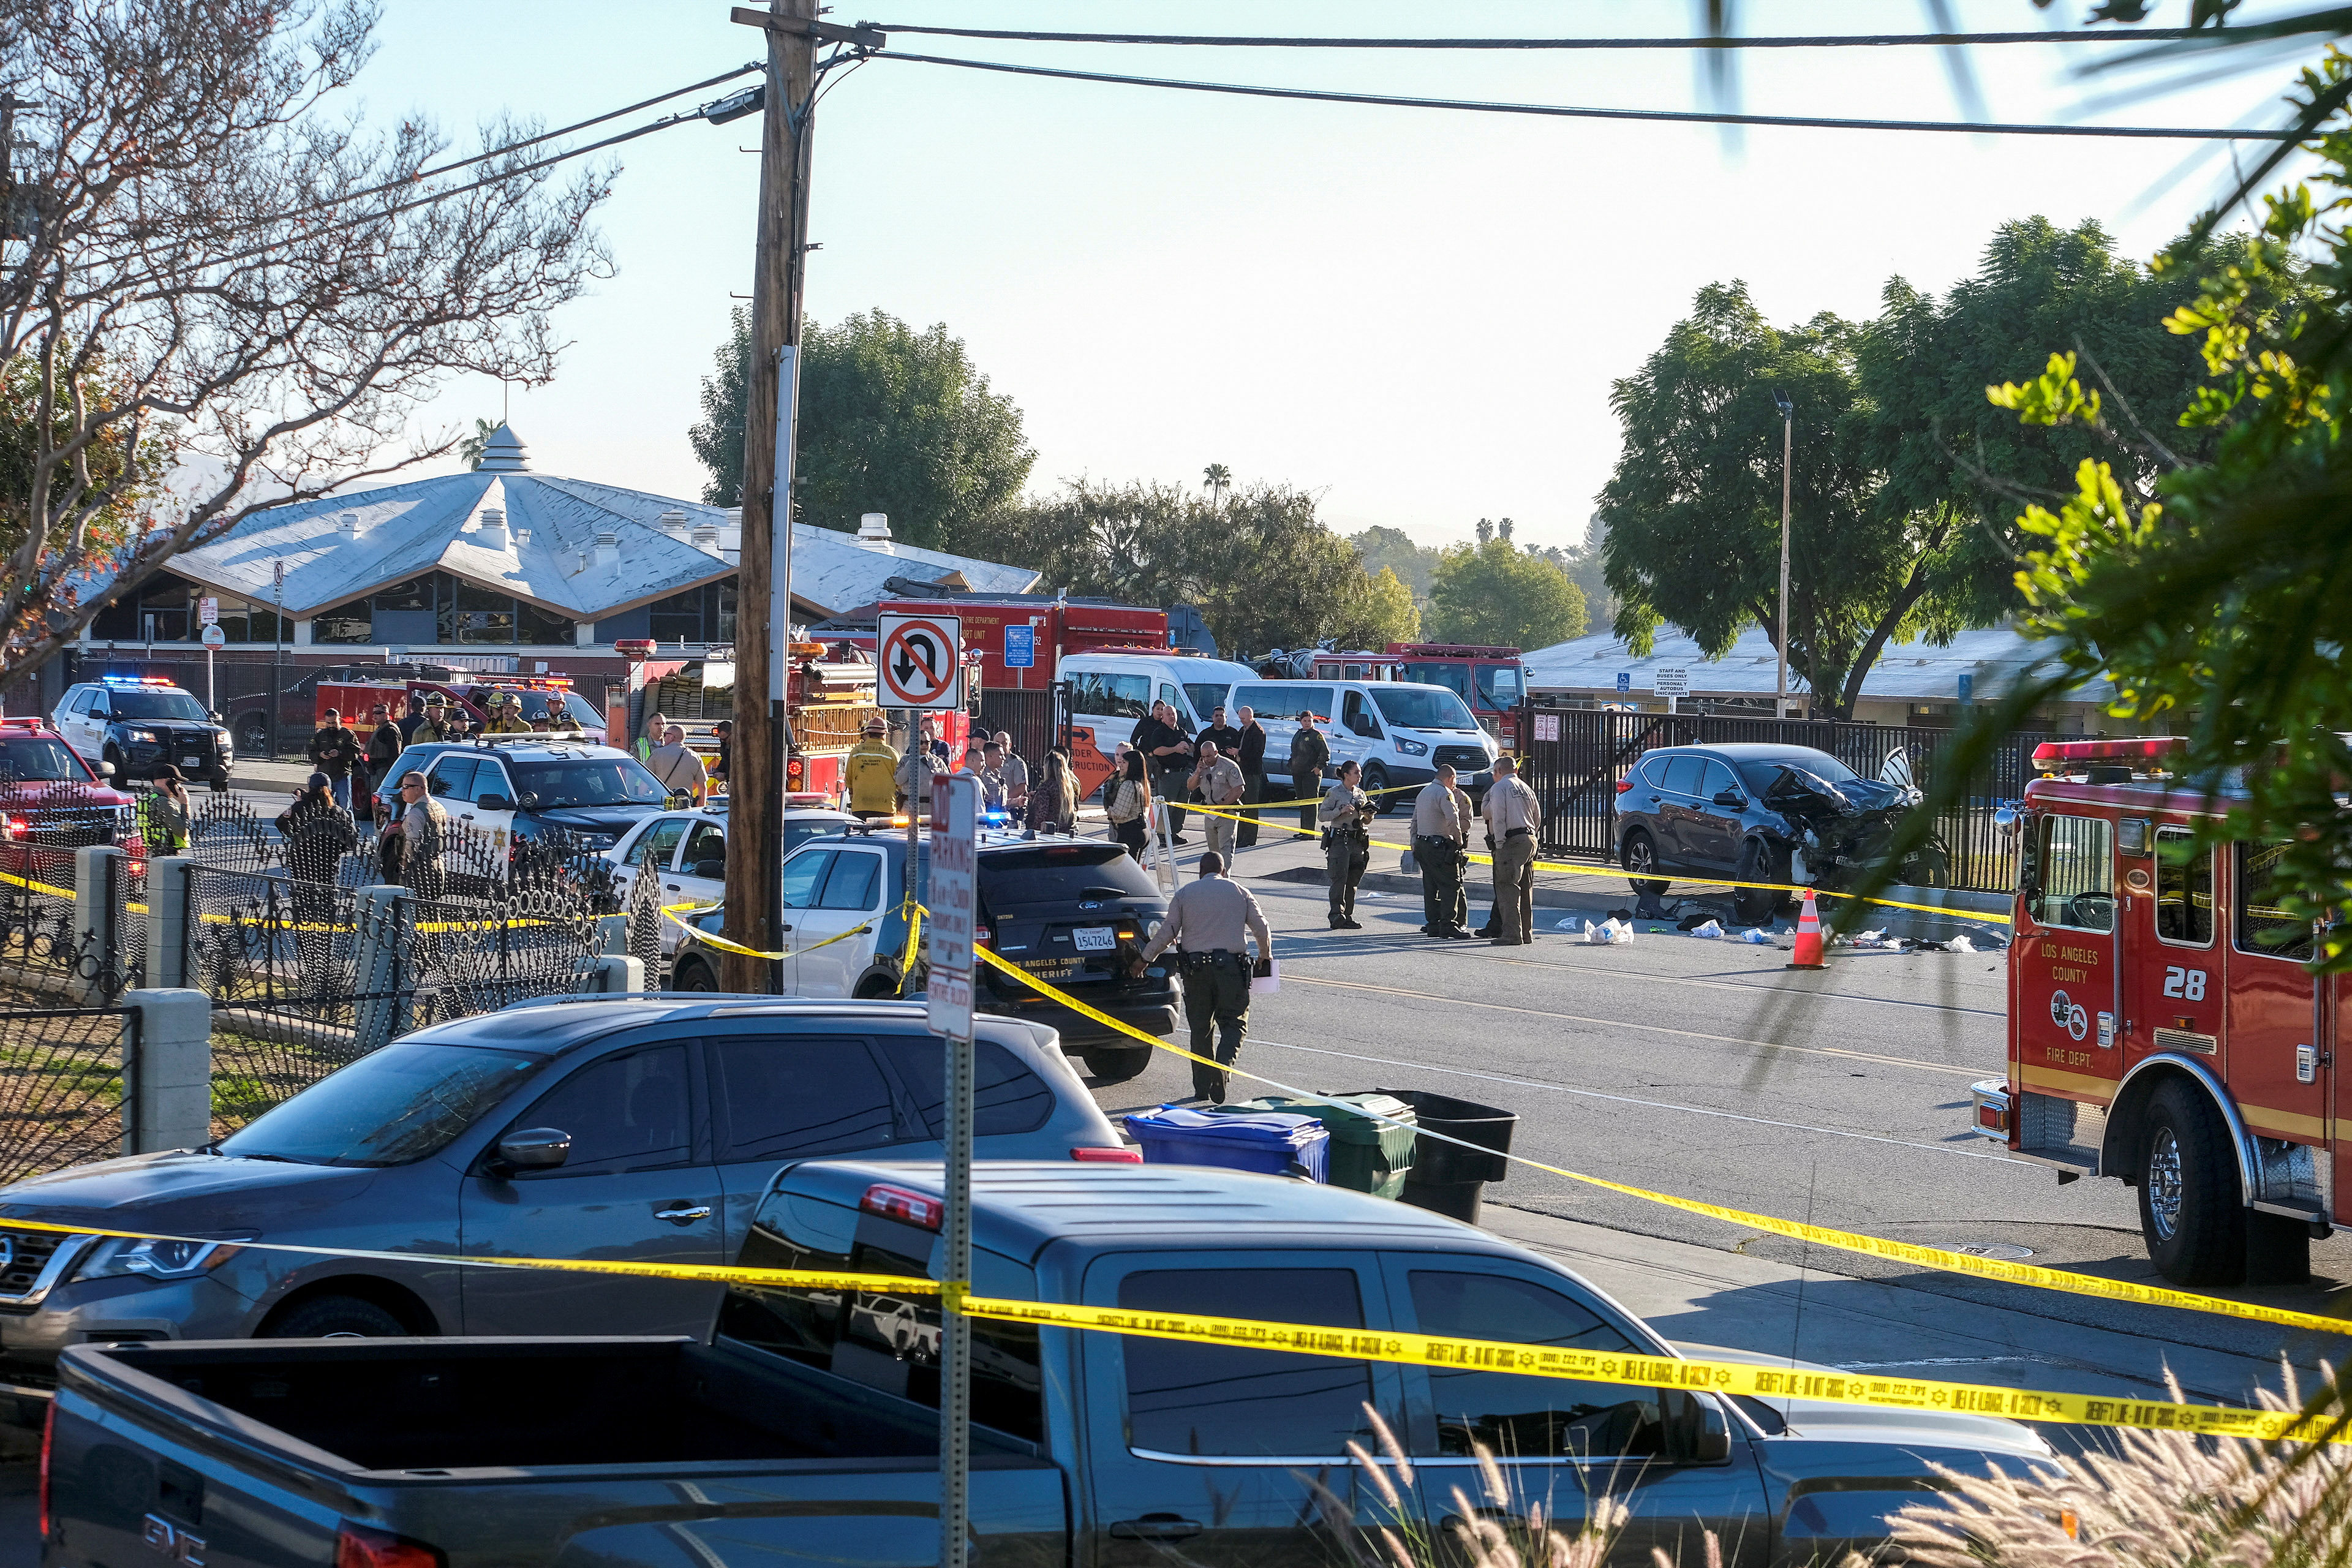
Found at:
[804, 1429]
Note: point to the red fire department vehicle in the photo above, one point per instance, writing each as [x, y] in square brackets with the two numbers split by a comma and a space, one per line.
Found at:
[1491, 680]
[2163, 1028]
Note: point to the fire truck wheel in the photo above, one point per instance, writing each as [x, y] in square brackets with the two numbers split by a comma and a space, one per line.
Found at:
[2190, 1210]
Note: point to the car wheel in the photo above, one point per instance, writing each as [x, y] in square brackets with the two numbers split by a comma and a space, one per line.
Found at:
[876, 988]
[112, 756]
[1640, 857]
[1755, 906]
[2190, 1210]
[252, 734]
[1117, 1064]
[1376, 779]
[336, 1318]
[692, 974]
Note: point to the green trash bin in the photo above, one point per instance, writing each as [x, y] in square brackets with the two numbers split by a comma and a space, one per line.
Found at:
[1366, 1155]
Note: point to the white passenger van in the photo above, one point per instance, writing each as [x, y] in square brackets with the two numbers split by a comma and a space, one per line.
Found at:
[1110, 691]
[1397, 730]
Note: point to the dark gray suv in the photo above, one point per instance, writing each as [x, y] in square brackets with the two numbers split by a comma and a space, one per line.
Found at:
[642, 1129]
[1759, 812]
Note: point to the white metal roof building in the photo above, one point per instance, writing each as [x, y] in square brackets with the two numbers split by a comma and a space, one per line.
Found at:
[504, 558]
[1914, 682]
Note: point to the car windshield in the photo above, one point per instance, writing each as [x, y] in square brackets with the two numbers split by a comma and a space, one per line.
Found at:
[595, 780]
[1423, 708]
[1062, 875]
[1763, 773]
[1455, 677]
[38, 757]
[391, 1107]
[154, 702]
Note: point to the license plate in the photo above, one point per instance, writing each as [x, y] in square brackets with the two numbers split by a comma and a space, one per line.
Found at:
[1097, 939]
[192, 762]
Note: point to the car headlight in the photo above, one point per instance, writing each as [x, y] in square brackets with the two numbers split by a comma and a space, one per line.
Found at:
[118, 1257]
[1413, 748]
[147, 735]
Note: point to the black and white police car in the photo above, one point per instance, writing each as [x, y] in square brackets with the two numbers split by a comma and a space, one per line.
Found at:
[140, 725]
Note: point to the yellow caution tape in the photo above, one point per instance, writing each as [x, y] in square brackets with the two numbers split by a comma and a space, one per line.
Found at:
[1640, 1371]
[1964, 916]
[1847, 1241]
[1629, 1369]
[721, 942]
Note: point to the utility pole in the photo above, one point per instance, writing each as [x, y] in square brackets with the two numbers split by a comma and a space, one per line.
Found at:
[1788, 446]
[755, 892]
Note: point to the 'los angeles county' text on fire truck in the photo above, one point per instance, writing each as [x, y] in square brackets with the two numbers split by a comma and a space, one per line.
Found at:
[2163, 1027]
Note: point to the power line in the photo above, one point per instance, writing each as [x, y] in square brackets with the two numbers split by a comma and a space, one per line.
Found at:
[2322, 22]
[1567, 112]
[407, 179]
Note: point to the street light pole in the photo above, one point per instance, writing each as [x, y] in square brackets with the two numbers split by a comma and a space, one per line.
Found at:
[1788, 444]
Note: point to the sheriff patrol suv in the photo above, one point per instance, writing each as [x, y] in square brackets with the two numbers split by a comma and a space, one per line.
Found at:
[140, 725]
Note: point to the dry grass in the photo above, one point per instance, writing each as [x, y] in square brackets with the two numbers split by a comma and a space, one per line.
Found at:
[2163, 1499]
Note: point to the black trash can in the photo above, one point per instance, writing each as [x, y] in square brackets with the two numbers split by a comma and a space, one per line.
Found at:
[1446, 1178]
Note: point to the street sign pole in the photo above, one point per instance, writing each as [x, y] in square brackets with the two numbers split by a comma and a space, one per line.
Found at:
[278, 652]
[955, 819]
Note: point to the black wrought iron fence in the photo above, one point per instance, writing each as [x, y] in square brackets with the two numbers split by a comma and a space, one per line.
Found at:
[61, 1085]
[44, 825]
[1575, 759]
[1029, 715]
[466, 956]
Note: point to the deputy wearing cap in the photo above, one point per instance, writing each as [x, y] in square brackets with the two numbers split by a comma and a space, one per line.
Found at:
[872, 772]
[1209, 920]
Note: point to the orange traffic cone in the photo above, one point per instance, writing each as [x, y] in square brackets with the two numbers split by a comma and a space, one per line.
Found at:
[1809, 938]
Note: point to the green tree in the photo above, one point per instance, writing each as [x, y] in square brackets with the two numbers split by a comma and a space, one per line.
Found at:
[1392, 549]
[1497, 593]
[1383, 613]
[1216, 479]
[1264, 570]
[1922, 368]
[891, 420]
[1693, 507]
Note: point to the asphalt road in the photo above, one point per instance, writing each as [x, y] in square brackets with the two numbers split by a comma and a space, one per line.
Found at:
[1709, 1070]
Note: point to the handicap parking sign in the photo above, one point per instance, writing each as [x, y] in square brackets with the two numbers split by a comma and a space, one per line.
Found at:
[1020, 647]
[1625, 680]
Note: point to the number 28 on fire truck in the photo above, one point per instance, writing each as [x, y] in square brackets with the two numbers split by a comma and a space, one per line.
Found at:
[2163, 1027]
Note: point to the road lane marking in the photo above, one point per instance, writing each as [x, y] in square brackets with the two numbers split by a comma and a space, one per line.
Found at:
[1839, 1051]
[2001, 1159]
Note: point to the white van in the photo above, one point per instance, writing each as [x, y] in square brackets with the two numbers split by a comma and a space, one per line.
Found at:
[1397, 730]
[1110, 691]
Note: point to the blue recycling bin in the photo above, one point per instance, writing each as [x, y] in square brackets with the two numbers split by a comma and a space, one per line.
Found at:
[1276, 1143]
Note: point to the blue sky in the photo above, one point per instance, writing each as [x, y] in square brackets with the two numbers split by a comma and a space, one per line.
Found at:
[1417, 315]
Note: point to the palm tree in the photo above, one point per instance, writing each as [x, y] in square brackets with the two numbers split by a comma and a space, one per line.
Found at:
[1216, 479]
[471, 448]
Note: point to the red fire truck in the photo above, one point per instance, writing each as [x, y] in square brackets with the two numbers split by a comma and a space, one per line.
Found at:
[1488, 678]
[2163, 1028]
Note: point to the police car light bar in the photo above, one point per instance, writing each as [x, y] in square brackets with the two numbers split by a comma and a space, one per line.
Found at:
[137, 680]
[2147, 751]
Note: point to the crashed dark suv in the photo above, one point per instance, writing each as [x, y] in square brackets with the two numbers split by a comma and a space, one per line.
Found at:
[1761, 811]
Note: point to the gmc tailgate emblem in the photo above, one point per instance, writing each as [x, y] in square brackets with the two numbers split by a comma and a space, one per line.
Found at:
[161, 1535]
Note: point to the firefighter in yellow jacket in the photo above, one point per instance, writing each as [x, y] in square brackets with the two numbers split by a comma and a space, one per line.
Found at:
[872, 772]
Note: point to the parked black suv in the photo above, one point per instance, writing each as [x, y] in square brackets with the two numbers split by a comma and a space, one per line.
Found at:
[1071, 912]
[1759, 812]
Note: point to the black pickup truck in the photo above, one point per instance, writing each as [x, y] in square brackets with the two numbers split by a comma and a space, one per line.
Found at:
[804, 1429]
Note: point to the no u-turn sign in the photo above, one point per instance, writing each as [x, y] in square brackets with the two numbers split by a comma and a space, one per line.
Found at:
[921, 659]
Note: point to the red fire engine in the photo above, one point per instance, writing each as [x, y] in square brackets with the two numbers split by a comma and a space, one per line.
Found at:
[1488, 678]
[829, 697]
[2163, 1028]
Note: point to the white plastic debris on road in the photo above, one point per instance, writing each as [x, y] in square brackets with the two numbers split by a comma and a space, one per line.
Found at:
[1607, 931]
[1756, 936]
[1961, 943]
[1712, 930]
[1573, 923]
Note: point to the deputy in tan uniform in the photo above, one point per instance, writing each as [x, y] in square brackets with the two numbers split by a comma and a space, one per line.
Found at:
[1345, 814]
[1207, 922]
[1441, 838]
[1512, 817]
